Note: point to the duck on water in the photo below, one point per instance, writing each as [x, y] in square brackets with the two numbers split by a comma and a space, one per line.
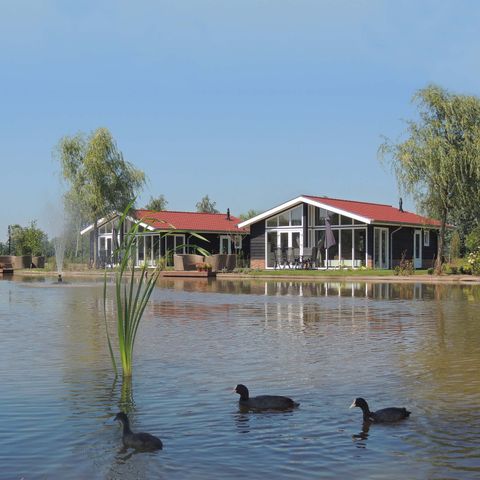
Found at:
[385, 415]
[263, 402]
[139, 441]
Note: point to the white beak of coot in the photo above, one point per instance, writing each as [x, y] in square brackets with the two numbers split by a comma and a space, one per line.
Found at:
[353, 404]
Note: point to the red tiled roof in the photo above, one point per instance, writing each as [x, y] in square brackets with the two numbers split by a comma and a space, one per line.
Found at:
[376, 212]
[191, 221]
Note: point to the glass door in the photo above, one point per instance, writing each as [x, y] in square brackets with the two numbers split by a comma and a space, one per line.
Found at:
[380, 247]
[283, 247]
[417, 249]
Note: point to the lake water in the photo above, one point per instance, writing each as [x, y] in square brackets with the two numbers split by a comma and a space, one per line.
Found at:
[407, 345]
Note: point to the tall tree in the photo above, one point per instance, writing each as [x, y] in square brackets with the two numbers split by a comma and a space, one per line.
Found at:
[205, 205]
[250, 214]
[101, 181]
[157, 204]
[439, 163]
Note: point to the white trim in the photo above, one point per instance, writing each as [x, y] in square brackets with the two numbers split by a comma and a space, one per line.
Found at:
[298, 200]
[417, 261]
[387, 248]
[102, 221]
[426, 238]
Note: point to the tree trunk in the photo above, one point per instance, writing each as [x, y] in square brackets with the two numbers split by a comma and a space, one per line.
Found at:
[441, 243]
[95, 243]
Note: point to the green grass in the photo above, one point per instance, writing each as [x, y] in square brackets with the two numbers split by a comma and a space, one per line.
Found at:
[328, 273]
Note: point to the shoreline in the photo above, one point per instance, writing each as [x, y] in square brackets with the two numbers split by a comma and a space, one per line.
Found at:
[424, 278]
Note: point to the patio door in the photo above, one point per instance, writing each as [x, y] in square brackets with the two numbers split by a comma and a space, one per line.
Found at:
[283, 243]
[380, 247]
[417, 249]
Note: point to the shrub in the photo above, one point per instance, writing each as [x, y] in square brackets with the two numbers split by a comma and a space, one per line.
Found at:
[474, 261]
[405, 267]
[472, 240]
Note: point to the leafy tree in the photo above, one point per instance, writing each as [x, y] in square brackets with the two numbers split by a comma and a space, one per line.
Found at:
[205, 205]
[472, 240]
[100, 180]
[439, 163]
[250, 214]
[455, 245]
[157, 204]
[28, 240]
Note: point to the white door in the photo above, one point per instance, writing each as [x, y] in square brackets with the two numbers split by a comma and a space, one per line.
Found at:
[380, 247]
[417, 249]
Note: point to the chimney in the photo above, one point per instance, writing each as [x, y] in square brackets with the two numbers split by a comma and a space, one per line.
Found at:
[228, 214]
[400, 204]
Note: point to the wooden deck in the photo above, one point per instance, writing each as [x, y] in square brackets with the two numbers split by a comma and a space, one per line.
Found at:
[6, 269]
[188, 273]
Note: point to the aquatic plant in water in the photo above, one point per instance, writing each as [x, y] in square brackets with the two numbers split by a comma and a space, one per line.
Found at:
[132, 292]
[133, 288]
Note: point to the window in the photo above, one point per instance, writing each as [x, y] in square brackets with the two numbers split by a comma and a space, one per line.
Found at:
[426, 238]
[290, 218]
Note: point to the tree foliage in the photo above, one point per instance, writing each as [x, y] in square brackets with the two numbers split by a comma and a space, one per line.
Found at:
[205, 205]
[100, 180]
[157, 204]
[29, 240]
[439, 162]
[250, 214]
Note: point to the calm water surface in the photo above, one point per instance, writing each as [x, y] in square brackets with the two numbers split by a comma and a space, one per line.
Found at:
[322, 344]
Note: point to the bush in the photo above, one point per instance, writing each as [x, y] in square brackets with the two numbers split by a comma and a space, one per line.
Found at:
[465, 269]
[405, 266]
[472, 240]
[474, 261]
[449, 269]
[430, 271]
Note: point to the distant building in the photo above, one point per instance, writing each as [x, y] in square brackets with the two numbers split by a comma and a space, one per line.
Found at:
[161, 234]
[333, 233]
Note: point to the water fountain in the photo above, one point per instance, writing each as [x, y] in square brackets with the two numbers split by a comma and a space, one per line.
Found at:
[59, 244]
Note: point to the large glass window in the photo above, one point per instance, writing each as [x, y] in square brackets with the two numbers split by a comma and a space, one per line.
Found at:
[346, 246]
[271, 248]
[334, 218]
[296, 216]
[284, 219]
[360, 247]
[289, 218]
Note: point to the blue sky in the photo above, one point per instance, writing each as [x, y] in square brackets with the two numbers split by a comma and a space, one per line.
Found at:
[250, 102]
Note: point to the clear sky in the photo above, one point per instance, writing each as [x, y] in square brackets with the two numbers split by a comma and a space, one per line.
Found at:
[250, 102]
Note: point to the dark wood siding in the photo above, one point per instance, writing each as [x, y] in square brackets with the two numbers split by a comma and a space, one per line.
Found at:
[257, 241]
[401, 243]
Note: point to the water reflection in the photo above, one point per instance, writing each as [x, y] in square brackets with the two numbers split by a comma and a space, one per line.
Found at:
[325, 343]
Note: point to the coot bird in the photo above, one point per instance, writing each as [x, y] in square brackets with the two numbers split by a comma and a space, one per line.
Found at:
[385, 415]
[139, 441]
[264, 402]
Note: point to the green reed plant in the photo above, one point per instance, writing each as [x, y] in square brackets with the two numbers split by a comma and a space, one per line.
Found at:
[133, 288]
[132, 292]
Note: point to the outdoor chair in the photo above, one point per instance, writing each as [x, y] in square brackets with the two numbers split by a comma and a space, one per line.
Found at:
[307, 257]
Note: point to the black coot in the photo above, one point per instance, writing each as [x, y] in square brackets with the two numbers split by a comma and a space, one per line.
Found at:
[264, 402]
[385, 415]
[139, 441]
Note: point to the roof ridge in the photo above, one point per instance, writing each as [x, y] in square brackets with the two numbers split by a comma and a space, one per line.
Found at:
[182, 211]
[351, 201]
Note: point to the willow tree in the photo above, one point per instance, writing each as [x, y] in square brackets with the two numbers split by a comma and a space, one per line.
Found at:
[205, 205]
[438, 164]
[100, 180]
